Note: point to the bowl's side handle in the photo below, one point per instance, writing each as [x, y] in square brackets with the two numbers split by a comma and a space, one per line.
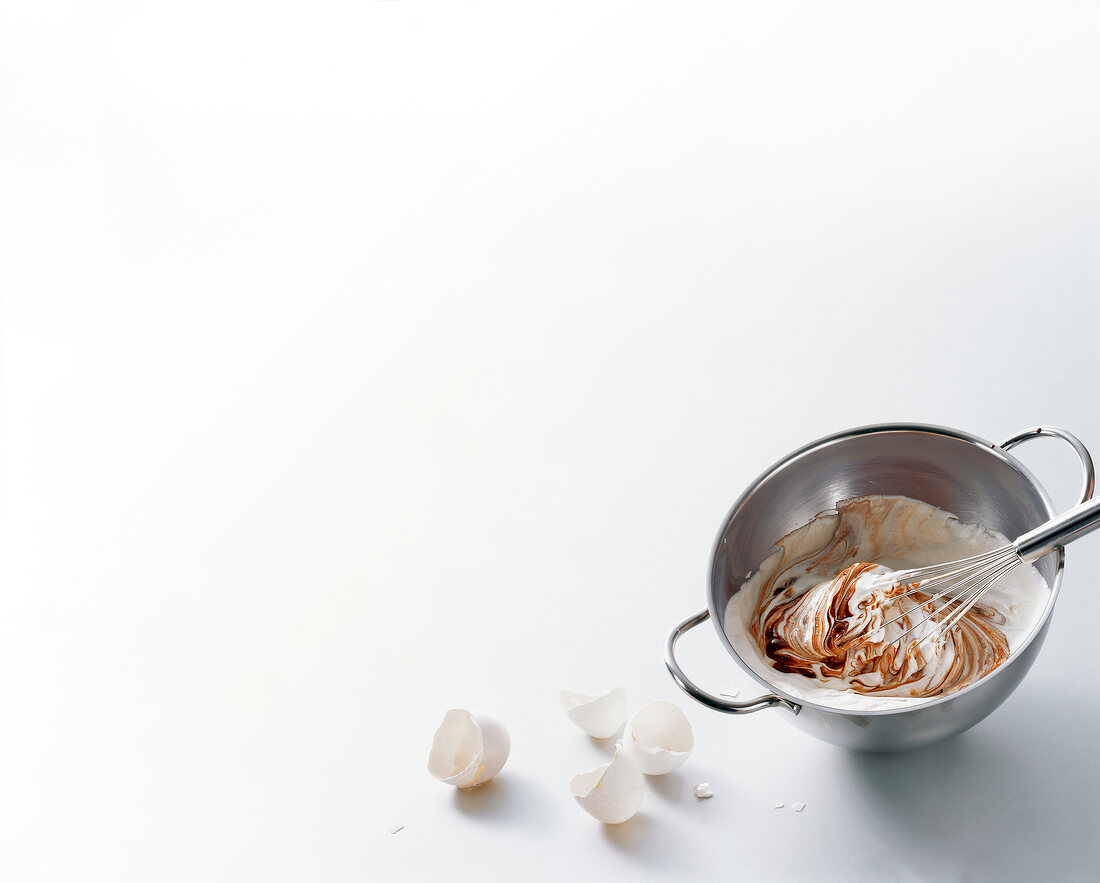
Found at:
[700, 695]
[1089, 479]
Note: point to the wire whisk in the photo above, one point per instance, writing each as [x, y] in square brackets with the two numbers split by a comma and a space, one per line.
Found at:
[956, 586]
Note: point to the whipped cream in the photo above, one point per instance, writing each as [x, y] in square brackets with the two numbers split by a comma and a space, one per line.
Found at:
[814, 619]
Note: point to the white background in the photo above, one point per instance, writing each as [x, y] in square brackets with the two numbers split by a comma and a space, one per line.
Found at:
[365, 359]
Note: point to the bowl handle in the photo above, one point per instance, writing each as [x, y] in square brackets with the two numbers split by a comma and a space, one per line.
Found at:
[700, 695]
[1089, 483]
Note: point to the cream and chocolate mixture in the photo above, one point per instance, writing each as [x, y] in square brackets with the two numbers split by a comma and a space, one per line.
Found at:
[821, 620]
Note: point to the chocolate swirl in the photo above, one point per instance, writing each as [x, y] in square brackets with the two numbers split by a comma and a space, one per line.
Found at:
[841, 629]
[819, 612]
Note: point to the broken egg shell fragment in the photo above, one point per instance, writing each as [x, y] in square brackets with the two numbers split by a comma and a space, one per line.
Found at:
[659, 737]
[702, 790]
[611, 792]
[469, 748]
[600, 715]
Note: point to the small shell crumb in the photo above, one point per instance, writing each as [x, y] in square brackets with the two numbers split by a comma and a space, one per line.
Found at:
[777, 806]
[393, 829]
[730, 691]
[798, 807]
[702, 790]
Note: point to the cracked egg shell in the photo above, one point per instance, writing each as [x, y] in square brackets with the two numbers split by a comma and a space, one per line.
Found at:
[600, 715]
[659, 737]
[469, 748]
[611, 792]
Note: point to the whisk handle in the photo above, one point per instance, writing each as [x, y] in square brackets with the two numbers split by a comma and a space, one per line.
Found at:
[1067, 527]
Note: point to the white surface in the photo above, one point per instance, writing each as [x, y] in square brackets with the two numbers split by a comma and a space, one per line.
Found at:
[369, 359]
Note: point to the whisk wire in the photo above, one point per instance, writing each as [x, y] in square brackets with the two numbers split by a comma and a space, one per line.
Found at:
[963, 582]
[966, 581]
[976, 595]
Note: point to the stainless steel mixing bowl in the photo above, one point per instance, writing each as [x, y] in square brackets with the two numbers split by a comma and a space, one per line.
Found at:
[961, 473]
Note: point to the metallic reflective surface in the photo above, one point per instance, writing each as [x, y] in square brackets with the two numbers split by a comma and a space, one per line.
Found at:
[1089, 473]
[1066, 528]
[701, 695]
[1075, 523]
[953, 470]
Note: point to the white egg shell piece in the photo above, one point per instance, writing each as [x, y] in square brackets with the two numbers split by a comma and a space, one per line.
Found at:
[611, 792]
[600, 715]
[659, 737]
[469, 748]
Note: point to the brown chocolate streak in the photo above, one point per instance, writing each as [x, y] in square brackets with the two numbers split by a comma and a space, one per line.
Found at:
[835, 650]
